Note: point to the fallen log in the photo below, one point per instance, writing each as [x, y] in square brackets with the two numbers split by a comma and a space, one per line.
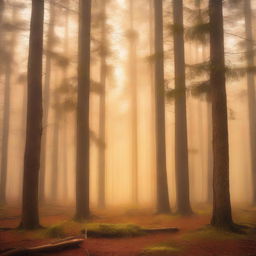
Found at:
[68, 238]
[158, 230]
[48, 248]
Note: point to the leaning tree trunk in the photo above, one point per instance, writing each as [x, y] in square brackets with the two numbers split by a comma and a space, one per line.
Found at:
[30, 217]
[163, 205]
[46, 100]
[181, 140]
[222, 216]
[251, 91]
[102, 114]
[83, 132]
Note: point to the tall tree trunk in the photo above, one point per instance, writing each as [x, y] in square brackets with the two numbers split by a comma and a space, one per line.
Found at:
[251, 92]
[5, 134]
[65, 133]
[152, 95]
[133, 87]
[30, 216]
[83, 133]
[102, 114]
[181, 141]
[163, 205]
[46, 100]
[222, 216]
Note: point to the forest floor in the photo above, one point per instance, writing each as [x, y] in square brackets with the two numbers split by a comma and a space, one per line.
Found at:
[194, 238]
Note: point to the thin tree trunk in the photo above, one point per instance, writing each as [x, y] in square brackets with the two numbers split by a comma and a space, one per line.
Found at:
[30, 216]
[5, 135]
[65, 133]
[152, 96]
[83, 132]
[163, 205]
[181, 141]
[222, 216]
[102, 114]
[251, 92]
[46, 100]
[133, 86]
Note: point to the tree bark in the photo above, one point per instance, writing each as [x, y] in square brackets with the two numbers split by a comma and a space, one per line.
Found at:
[222, 216]
[251, 92]
[83, 133]
[30, 216]
[48, 248]
[163, 205]
[181, 141]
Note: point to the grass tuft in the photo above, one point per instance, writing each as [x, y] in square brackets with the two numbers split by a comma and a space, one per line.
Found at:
[160, 249]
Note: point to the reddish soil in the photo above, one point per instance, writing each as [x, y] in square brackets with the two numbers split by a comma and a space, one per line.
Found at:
[134, 246]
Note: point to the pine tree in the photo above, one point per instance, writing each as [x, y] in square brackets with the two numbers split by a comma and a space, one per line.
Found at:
[163, 205]
[83, 132]
[181, 141]
[222, 216]
[30, 216]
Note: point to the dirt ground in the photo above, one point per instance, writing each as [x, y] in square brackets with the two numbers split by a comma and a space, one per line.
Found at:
[186, 242]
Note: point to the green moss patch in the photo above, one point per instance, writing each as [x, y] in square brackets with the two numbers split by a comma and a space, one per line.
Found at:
[55, 231]
[212, 234]
[96, 230]
[112, 230]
